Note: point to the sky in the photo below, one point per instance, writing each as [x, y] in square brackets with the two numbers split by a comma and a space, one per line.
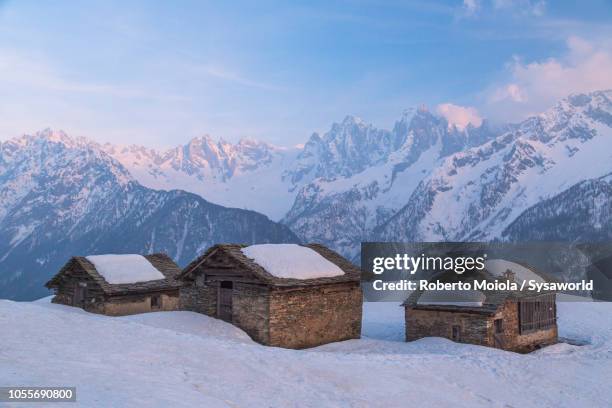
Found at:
[159, 73]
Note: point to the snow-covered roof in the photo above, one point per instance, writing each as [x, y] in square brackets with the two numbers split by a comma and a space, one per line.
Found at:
[282, 265]
[121, 274]
[466, 298]
[292, 261]
[128, 268]
[497, 268]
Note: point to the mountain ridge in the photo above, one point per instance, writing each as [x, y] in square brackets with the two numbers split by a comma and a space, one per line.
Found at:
[63, 197]
[423, 180]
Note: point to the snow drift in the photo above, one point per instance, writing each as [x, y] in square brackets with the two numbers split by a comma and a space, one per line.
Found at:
[184, 359]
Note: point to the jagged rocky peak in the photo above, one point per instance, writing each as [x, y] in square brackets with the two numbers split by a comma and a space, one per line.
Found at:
[201, 150]
[353, 145]
[476, 193]
[49, 135]
[419, 130]
[349, 147]
[573, 117]
[50, 153]
[426, 128]
[209, 158]
[353, 132]
[591, 101]
[402, 125]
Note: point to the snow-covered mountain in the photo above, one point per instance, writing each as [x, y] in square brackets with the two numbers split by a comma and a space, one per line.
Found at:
[422, 180]
[335, 189]
[475, 194]
[352, 195]
[62, 196]
[268, 179]
[247, 174]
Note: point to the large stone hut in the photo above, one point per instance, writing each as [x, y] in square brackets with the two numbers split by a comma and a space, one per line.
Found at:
[118, 284]
[283, 295]
[512, 320]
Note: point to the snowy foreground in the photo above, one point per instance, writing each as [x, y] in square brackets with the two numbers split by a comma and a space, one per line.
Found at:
[183, 359]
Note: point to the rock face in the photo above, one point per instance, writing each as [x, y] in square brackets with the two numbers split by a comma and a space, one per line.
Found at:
[63, 197]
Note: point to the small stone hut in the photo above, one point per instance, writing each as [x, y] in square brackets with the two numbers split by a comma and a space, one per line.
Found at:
[513, 320]
[283, 295]
[118, 285]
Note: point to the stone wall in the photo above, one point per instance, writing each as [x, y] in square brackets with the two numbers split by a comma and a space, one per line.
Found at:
[298, 318]
[91, 304]
[313, 316]
[508, 313]
[121, 305]
[134, 304]
[478, 328]
[93, 300]
[197, 296]
[513, 339]
[250, 310]
[474, 328]
[250, 304]
[63, 298]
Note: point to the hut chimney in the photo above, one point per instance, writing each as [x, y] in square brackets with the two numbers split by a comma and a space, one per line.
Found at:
[509, 275]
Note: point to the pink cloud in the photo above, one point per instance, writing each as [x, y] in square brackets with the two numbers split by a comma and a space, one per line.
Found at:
[535, 86]
[459, 116]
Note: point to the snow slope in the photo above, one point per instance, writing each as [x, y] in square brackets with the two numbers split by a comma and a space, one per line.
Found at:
[183, 359]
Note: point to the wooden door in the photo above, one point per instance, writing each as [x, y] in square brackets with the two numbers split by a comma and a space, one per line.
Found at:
[78, 296]
[456, 333]
[224, 301]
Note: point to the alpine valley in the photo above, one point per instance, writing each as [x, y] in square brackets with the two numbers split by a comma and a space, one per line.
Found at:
[547, 177]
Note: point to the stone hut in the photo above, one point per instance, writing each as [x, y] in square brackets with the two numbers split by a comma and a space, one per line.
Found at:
[513, 320]
[118, 285]
[283, 295]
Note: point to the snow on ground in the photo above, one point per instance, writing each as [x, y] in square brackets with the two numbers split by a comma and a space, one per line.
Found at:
[182, 359]
[127, 268]
[291, 261]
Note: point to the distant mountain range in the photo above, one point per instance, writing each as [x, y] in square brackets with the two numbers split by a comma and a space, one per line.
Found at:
[63, 197]
[544, 178]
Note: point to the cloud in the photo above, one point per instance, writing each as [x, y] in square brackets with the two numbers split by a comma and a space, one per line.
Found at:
[531, 87]
[473, 8]
[512, 92]
[37, 73]
[533, 7]
[459, 116]
[232, 77]
[219, 73]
